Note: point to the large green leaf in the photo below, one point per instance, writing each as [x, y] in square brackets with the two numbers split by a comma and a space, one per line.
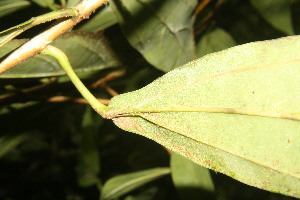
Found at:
[277, 13]
[192, 181]
[162, 31]
[87, 52]
[122, 184]
[234, 111]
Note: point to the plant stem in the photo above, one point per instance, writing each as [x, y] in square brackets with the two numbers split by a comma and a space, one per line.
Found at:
[13, 32]
[38, 43]
[65, 64]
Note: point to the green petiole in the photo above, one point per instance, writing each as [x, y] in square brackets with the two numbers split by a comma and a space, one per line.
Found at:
[65, 64]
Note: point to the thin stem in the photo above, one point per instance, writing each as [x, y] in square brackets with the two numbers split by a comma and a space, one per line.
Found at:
[65, 64]
[38, 43]
[13, 32]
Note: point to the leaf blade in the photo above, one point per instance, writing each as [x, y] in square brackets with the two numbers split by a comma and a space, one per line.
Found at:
[156, 33]
[192, 181]
[277, 13]
[123, 184]
[230, 102]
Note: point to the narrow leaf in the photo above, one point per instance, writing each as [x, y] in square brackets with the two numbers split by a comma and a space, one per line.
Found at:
[234, 111]
[86, 52]
[192, 181]
[9, 143]
[10, 6]
[162, 31]
[120, 185]
[88, 167]
[277, 13]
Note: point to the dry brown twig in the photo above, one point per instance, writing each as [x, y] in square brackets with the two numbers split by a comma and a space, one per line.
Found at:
[74, 100]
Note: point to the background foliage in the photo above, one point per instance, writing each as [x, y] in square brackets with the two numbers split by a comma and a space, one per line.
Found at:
[53, 146]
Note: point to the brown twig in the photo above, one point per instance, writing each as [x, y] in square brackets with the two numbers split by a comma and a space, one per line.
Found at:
[38, 43]
[204, 23]
[108, 89]
[111, 76]
[102, 82]
[72, 99]
[18, 94]
[34, 94]
[201, 6]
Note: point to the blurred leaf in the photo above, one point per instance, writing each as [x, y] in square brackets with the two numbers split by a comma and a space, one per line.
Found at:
[190, 179]
[122, 184]
[10, 6]
[102, 20]
[47, 4]
[71, 3]
[162, 31]
[277, 13]
[234, 111]
[148, 194]
[8, 143]
[89, 165]
[86, 52]
[213, 41]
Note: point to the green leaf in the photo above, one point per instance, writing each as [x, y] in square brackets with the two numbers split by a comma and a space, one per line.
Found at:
[213, 41]
[10, 6]
[8, 143]
[277, 13]
[122, 184]
[86, 52]
[102, 20]
[89, 164]
[162, 31]
[148, 194]
[191, 180]
[236, 111]
[72, 3]
[47, 4]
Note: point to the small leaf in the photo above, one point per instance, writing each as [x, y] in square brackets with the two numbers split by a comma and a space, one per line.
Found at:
[10, 6]
[122, 184]
[162, 31]
[8, 143]
[277, 13]
[86, 52]
[236, 111]
[191, 180]
[213, 41]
